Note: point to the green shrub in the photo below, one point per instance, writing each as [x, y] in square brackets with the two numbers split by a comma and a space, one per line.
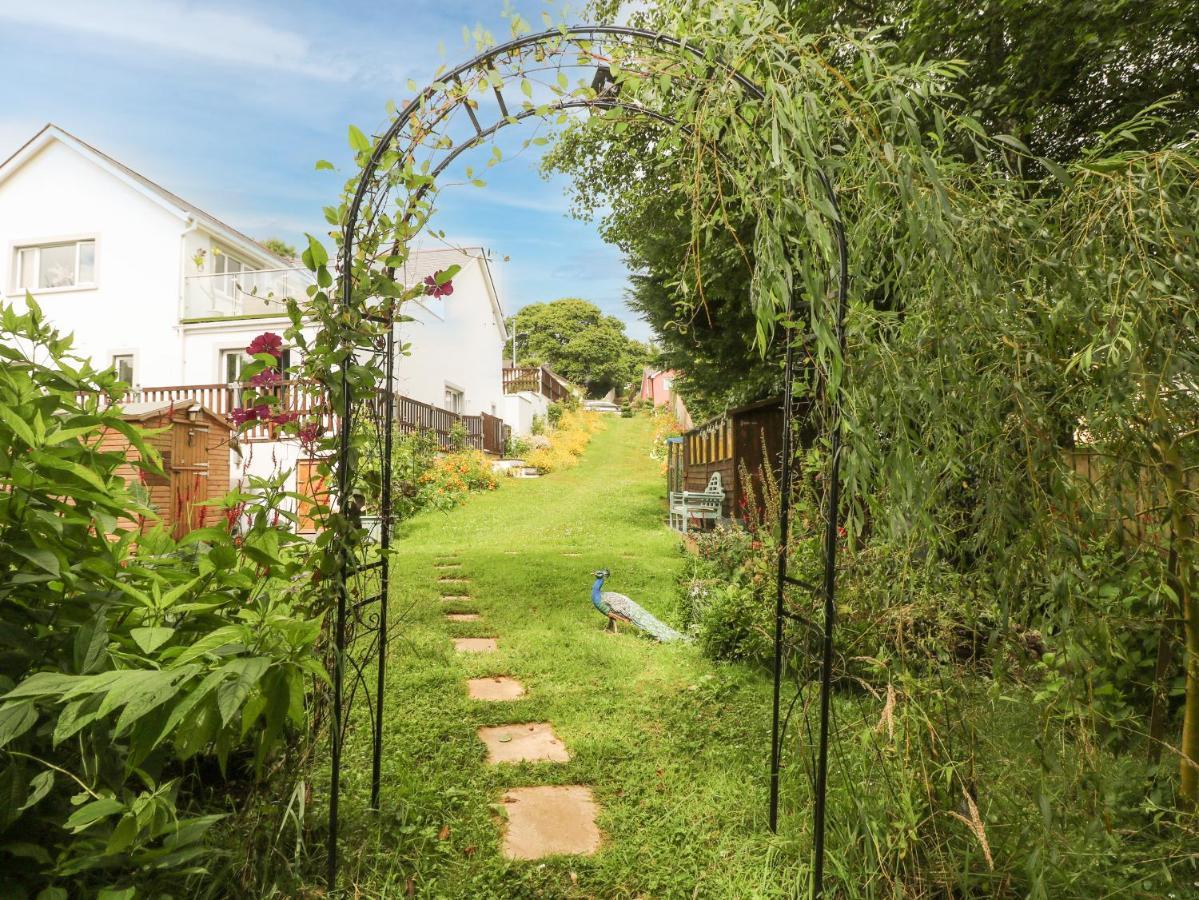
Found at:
[123, 655]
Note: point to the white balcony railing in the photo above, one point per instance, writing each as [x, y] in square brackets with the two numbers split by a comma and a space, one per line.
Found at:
[259, 293]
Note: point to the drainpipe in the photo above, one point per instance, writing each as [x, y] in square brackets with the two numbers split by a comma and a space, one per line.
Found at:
[192, 226]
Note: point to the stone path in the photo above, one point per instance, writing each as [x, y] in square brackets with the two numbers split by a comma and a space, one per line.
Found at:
[541, 821]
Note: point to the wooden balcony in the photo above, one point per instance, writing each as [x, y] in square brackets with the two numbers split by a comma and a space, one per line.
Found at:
[483, 432]
[538, 379]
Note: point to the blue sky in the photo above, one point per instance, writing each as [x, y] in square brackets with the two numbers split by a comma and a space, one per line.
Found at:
[230, 104]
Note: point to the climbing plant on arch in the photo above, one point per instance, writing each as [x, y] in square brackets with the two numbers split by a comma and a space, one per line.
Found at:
[760, 124]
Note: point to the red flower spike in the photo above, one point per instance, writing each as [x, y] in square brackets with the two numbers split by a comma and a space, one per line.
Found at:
[434, 288]
[267, 378]
[267, 342]
[310, 434]
[242, 415]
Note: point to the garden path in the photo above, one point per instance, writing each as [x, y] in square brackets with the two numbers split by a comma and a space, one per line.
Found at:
[657, 756]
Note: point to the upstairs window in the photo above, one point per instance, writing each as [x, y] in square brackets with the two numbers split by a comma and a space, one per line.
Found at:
[67, 264]
[453, 399]
[231, 269]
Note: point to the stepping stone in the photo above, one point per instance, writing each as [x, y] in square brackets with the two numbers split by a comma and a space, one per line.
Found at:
[572, 554]
[547, 821]
[512, 552]
[447, 565]
[462, 617]
[475, 645]
[450, 598]
[498, 687]
[453, 579]
[529, 742]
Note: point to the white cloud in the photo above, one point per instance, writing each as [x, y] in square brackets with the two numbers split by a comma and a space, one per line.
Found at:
[188, 29]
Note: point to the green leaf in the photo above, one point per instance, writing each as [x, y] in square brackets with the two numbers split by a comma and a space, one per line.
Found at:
[323, 164]
[93, 812]
[15, 720]
[39, 787]
[151, 637]
[358, 141]
[17, 424]
[232, 694]
[1012, 142]
[43, 559]
[315, 255]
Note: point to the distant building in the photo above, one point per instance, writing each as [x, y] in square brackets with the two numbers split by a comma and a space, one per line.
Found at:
[657, 387]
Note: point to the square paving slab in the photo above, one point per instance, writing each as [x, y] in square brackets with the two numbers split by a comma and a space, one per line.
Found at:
[547, 821]
[462, 617]
[453, 579]
[528, 742]
[498, 687]
[475, 645]
[454, 597]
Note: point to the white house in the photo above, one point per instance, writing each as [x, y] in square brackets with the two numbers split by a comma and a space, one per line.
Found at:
[171, 295]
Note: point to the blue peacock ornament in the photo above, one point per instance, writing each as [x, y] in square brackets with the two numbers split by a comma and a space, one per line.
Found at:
[619, 608]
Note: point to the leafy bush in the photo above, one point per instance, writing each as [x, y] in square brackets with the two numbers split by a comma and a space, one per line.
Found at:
[450, 478]
[125, 655]
[566, 443]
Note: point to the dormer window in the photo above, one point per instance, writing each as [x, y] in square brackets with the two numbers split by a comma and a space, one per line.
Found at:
[60, 265]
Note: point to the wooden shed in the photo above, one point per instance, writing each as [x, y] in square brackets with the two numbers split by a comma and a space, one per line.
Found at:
[194, 444]
[745, 438]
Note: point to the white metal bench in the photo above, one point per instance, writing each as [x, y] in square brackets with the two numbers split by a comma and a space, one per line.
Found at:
[705, 505]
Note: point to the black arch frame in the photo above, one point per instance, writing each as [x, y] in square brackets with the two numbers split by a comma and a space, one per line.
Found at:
[602, 101]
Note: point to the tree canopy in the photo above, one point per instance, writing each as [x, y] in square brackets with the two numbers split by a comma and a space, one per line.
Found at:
[1052, 75]
[579, 342]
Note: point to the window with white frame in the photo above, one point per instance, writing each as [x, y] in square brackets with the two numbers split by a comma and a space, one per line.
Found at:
[454, 399]
[123, 363]
[230, 268]
[233, 361]
[58, 265]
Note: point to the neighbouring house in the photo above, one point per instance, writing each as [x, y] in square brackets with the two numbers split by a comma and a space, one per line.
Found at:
[657, 387]
[170, 296]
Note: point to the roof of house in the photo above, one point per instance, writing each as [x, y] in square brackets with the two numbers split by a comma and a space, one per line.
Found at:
[173, 202]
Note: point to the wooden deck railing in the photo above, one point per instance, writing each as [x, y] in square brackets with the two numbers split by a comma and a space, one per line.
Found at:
[483, 432]
[294, 396]
[537, 379]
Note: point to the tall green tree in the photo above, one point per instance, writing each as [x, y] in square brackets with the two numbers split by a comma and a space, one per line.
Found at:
[575, 339]
[1051, 74]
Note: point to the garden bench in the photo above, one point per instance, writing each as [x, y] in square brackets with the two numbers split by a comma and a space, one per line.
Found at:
[705, 505]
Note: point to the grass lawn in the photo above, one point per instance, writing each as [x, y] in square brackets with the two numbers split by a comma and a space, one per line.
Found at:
[674, 747]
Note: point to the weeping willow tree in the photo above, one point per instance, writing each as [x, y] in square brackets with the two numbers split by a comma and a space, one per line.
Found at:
[1021, 377]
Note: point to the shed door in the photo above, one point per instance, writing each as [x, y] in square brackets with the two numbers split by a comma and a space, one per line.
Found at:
[310, 485]
[189, 475]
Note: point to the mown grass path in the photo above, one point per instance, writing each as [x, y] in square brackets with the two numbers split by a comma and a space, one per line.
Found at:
[673, 747]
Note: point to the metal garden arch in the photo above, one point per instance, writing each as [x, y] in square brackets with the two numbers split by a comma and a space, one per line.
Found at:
[418, 146]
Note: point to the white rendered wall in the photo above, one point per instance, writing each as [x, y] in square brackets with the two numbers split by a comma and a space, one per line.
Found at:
[519, 410]
[134, 307]
[454, 339]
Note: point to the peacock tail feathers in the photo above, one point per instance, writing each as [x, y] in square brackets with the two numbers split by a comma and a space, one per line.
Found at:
[642, 618]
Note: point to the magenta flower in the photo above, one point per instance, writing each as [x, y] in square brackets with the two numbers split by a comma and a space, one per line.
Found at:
[267, 342]
[284, 418]
[310, 434]
[434, 288]
[242, 414]
[266, 379]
